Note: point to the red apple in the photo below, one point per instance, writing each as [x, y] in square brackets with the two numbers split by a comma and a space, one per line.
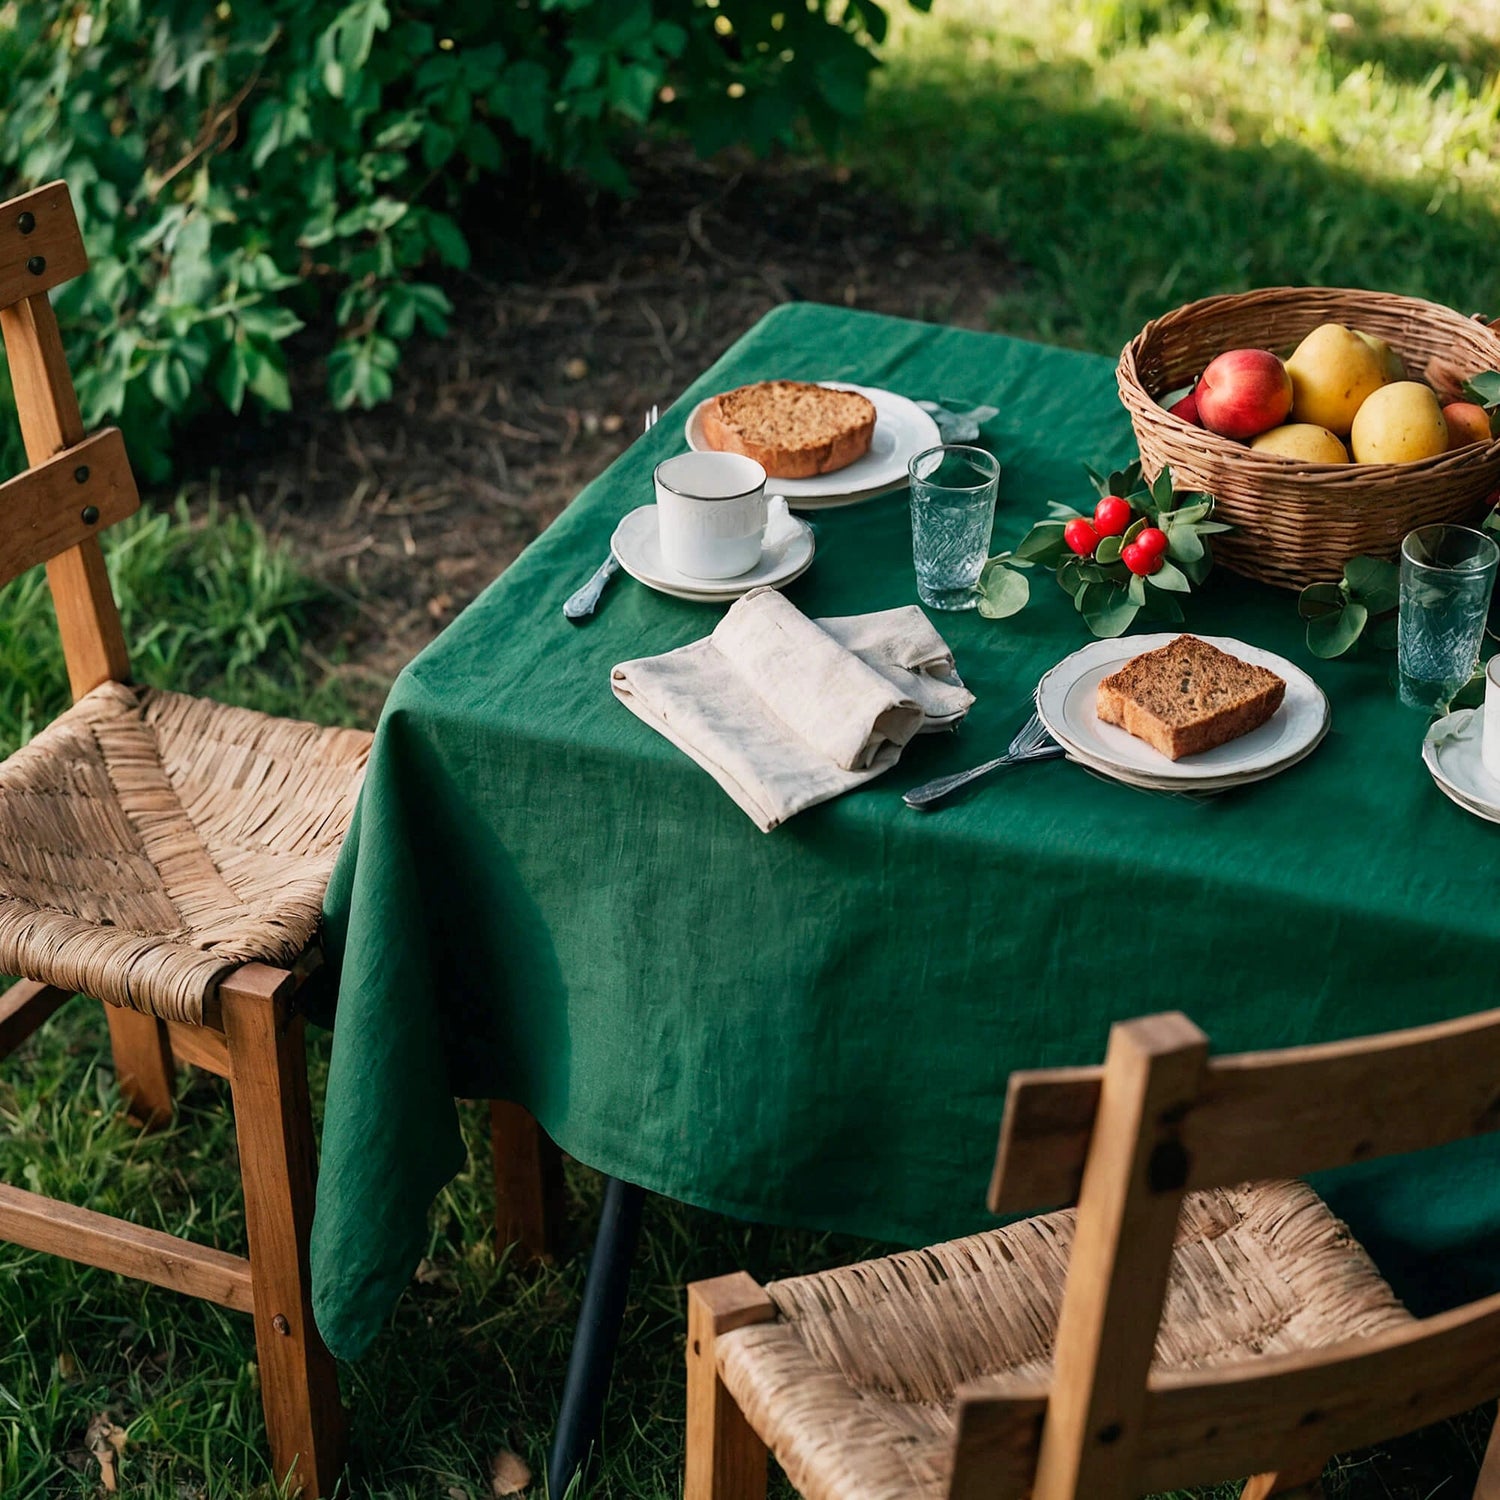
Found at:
[1244, 393]
[1187, 409]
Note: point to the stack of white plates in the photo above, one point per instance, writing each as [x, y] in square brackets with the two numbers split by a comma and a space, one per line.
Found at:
[1067, 695]
[1451, 753]
[902, 430]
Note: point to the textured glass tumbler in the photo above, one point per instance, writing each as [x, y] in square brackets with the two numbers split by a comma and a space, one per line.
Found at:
[952, 512]
[1447, 573]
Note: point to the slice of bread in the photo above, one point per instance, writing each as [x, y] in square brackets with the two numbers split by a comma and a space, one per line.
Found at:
[791, 428]
[1187, 697]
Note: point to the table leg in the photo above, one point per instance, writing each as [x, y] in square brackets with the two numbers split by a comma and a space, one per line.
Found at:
[597, 1334]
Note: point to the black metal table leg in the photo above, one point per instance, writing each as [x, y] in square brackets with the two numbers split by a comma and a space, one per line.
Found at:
[592, 1358]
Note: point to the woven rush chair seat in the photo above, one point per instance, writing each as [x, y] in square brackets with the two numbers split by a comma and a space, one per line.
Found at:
[851, 1385]
[151, 843]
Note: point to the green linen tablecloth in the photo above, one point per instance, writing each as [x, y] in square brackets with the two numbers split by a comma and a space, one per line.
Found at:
[542, 900]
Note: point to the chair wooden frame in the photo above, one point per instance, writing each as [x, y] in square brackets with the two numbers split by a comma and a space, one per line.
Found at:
[252, 1034]
[1126, 1142]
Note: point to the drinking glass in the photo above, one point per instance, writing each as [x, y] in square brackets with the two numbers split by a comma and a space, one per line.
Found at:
[952, 511]
[1447, 573]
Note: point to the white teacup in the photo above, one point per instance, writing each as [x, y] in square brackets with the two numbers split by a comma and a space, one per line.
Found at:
[711, 513]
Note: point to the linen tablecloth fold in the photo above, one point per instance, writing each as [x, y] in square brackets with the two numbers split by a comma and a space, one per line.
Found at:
[785, 712]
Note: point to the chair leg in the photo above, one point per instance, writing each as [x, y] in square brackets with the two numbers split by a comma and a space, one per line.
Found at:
[305, 1419]
[1488, 1487]
[726, 1459]
[143, 1064]
[528, 1183]
[1301, 1480]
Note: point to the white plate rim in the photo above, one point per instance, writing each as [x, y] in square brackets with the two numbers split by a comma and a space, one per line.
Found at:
[1219, 784]
[712, 593]
[1051, 694]
[1432, 759]
[827, 490]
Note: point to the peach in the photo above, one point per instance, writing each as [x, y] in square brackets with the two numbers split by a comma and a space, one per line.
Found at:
[1467, 423]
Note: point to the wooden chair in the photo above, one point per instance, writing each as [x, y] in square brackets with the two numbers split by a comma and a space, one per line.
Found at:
[1175, 1331]
[167, 855]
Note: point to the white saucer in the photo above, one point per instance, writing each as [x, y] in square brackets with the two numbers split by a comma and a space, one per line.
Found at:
[637, 548]
[1066, 699]
[1451, 753]
[902, 430]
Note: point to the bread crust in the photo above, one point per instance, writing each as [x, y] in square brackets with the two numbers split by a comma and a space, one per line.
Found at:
[1221, 696]
[785, 456]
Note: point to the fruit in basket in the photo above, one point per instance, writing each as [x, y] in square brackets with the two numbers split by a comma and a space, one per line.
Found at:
[1243, 392]
[1183, 403]
[1303, 440]
[1333, 370]
[1398, 424]
[1391, 362]
[1468, 422]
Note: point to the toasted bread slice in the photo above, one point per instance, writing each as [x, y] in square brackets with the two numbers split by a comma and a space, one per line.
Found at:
[1187, 697]
[792, 428]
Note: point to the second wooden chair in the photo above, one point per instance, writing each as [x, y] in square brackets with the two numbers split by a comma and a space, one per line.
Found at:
[1176, 1330]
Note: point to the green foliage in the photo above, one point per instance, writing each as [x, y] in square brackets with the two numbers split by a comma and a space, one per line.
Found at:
[243, 168]
[210, 607]
[1103, 590]
[1484, 390]
[1361, 605]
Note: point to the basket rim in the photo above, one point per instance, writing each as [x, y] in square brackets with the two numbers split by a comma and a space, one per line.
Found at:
[1218, 447]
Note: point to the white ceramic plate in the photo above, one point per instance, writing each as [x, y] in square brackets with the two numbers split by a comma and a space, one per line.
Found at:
[902, 430]
[1451, 753]
[1066, 698]
[637, 548]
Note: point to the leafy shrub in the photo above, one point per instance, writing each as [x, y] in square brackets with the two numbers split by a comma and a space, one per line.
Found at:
[243, 168]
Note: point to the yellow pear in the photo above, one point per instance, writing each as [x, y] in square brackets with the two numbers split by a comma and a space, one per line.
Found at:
[1399, 424]
[1391, 362]
[1332, 371]
[1313, 445]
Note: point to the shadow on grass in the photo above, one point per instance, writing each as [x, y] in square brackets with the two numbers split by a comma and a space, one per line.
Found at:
[1124, 213]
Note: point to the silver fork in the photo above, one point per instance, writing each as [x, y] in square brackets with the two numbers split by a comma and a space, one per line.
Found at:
[580, 605]
[1032, 743]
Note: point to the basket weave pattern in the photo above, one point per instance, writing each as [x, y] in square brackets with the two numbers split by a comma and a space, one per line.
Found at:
[151, 842]
[1298, 522]
[852, 1384]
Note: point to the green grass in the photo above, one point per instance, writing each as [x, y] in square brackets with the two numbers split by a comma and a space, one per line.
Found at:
[208, 605]
[1270, 146]
[1131, 155]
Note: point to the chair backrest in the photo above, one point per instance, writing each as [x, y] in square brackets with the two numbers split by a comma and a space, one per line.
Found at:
[74, 486]
[1126, 1142]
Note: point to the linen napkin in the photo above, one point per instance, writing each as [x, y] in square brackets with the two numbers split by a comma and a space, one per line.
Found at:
[785, 712]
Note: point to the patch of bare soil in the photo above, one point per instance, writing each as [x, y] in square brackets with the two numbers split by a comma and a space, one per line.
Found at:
[579, 315]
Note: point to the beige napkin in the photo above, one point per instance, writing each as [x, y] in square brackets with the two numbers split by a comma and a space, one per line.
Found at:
[784, 712]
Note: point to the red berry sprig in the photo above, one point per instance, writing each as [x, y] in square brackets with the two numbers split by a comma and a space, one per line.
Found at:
[1143, 548]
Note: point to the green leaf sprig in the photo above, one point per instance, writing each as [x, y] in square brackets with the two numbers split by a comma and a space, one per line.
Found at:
[1483, 390]
[1362, 604]
[1103, 590]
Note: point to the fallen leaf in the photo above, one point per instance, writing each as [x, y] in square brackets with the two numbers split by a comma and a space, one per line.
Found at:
[106, 1442]
[509, 1473]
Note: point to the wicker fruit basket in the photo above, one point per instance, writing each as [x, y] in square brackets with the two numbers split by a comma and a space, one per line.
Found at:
[1299, 522]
